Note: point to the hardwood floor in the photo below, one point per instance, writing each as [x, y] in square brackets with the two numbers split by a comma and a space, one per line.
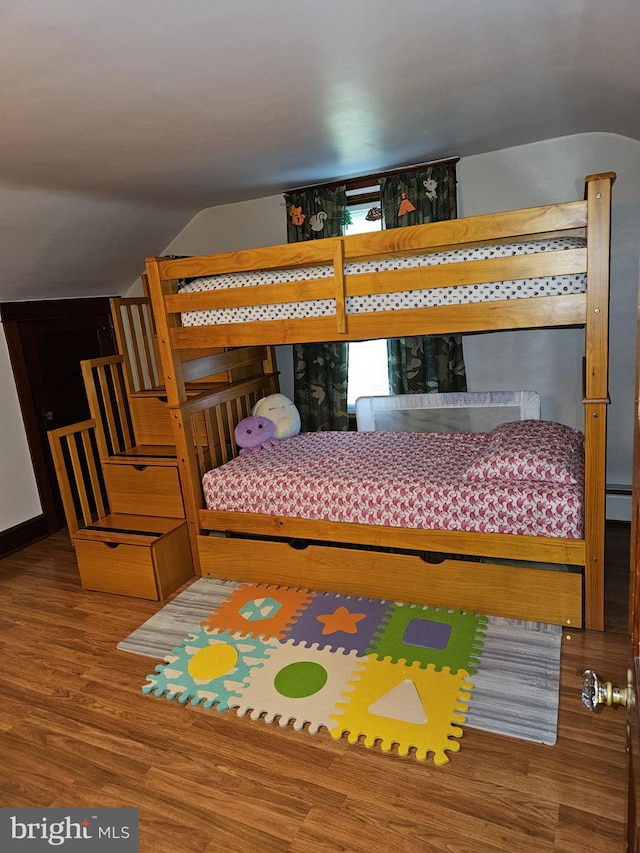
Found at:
[75, 730]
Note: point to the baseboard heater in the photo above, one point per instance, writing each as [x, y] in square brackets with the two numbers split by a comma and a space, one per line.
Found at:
[618, 502]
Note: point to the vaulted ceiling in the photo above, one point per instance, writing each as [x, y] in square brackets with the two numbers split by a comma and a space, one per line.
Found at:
[121, 120]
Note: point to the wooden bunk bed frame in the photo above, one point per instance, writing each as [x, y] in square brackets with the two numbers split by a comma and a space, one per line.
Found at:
[385, 562]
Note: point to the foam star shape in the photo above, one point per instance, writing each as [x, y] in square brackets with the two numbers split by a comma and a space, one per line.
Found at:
[340, 620]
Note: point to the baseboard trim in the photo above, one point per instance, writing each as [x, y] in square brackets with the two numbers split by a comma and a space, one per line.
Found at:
[26, 533]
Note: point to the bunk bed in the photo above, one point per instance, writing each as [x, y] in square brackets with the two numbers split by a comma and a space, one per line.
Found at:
[530, 268]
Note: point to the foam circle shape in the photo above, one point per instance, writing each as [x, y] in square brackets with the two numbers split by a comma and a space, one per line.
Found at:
[300, 679]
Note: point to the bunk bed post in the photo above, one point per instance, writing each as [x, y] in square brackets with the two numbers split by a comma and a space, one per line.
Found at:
[175, 387]
[596, 394]
[185, 439]
[169, 357]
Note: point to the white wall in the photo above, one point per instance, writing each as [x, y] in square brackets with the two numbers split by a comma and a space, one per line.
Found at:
[245, 225]
[19, 500]
[548, 362]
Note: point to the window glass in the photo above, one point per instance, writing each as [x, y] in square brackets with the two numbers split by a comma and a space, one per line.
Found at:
[368, 375]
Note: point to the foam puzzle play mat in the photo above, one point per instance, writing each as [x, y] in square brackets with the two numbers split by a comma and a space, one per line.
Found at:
[390, 675]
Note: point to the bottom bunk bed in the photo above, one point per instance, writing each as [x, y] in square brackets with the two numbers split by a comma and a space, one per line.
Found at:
[486, 521]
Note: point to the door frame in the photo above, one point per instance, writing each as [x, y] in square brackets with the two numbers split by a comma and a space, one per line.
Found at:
[633, 718]
[13, 316]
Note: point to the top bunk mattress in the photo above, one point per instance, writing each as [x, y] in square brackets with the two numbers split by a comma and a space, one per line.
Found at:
[522, 478]
[429, 297]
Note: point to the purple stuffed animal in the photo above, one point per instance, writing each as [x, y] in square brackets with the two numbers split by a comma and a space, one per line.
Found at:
[255, 433]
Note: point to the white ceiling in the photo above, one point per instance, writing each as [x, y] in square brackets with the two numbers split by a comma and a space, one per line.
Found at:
[122, 119]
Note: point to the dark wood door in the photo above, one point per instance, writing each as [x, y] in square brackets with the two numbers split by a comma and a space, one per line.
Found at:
[633, 709]
[47, 340]
[633, 727]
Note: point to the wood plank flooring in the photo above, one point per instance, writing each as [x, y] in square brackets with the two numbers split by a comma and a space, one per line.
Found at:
[75, 730]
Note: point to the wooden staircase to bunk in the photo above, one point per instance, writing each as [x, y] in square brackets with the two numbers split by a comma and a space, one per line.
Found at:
[136, 341]
[118, 472]
[138, 554]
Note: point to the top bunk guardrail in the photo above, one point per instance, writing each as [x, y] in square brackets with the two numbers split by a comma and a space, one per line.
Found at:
[332, 277]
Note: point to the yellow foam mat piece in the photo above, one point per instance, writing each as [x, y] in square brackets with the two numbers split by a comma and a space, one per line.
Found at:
[407, 706]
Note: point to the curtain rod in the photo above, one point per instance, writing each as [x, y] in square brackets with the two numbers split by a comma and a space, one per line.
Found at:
[366, 180]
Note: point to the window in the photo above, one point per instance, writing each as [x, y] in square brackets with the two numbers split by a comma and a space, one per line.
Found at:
[368, 375]
[366, 198]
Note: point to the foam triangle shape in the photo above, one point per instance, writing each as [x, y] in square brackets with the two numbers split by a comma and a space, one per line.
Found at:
[402, 703]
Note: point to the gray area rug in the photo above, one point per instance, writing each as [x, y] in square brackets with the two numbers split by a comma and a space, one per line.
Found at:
[516, 687]
[167, 628]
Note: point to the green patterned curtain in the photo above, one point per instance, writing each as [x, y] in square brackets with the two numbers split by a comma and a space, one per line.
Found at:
[320, 370]
[316, 213]
[421, 365]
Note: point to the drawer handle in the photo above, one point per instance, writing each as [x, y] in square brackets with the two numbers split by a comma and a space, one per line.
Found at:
[113, 544]
[162, 399]
[140, 467]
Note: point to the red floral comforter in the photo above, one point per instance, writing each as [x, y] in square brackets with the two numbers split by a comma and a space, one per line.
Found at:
[416, 480]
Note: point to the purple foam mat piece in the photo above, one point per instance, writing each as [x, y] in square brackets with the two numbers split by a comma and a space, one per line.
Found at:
[339, 622]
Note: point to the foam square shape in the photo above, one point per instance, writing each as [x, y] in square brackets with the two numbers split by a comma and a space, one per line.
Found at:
[427, 633]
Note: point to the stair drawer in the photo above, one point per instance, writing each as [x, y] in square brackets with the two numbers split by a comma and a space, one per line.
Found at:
[117, 568]
[151, 570]
[152, 420]
[144, 489]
